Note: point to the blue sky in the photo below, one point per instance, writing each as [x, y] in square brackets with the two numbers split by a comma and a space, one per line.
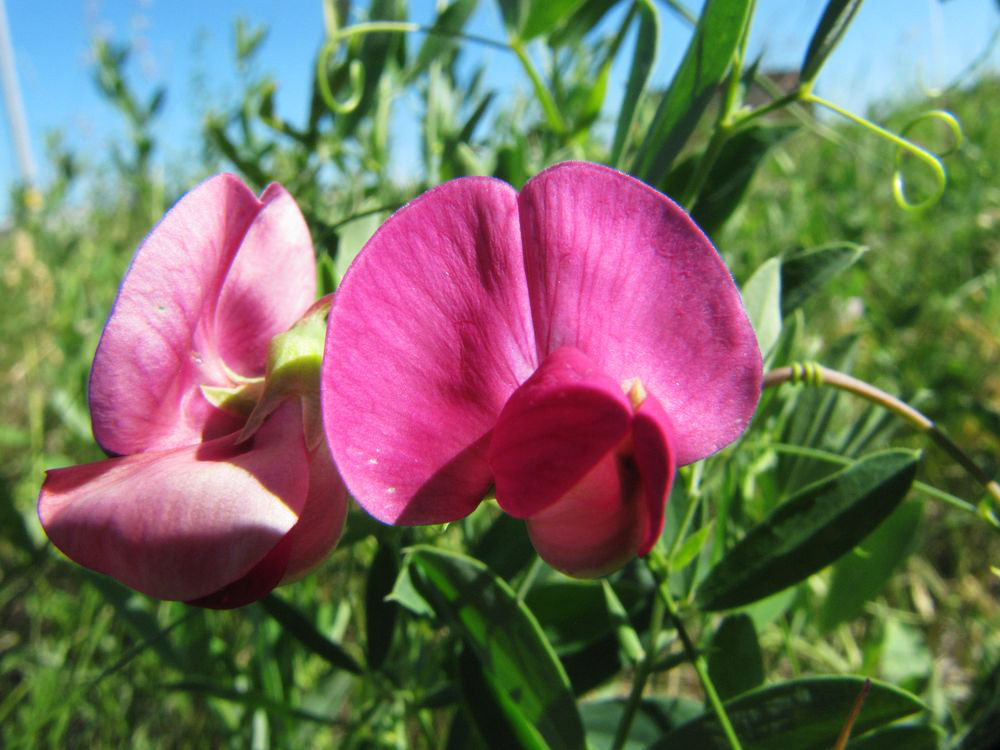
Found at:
[894, 48]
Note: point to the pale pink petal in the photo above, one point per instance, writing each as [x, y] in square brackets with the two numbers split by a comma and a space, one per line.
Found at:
[653, 452]
[184, 523]
[597, 526]
[270, 284]
[623, 274]
[158, 345]
[306, 545]
[429, 333]
[554, 429]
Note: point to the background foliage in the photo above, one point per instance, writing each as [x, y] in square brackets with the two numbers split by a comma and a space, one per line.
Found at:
[460, 637]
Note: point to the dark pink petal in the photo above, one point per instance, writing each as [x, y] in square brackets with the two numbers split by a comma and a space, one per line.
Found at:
[162, 340]
[322, 518]
[653, 452]
[598, 525]
[554, 430]
[270, 284]
[429, 333]
[184, 523]
[622, 273]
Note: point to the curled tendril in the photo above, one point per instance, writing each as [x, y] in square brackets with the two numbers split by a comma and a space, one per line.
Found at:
[356, 77]
[906, 147]
[898, 182]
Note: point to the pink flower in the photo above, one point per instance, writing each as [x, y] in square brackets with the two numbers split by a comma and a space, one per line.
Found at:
[569, 345]
[223, 486]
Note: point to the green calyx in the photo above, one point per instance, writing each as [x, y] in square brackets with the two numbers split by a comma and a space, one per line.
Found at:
[293, 368]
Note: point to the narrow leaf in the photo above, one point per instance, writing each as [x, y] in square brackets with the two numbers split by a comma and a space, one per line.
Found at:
[708, 57]
[832, 25]
[735, 663]
[811, 530]
[380, 611]
[903, 737]
[803, 272]
[249, 698]
[518, 664]
[861, 575]
[441, 37]
[302, 629]
[628, 639]
[730, 176]
[643, 58]
[544, 16]
[653, 718]
[805, 714]
[762, 298]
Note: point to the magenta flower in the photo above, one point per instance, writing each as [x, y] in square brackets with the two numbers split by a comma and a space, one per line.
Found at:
[223, 486]
[569, 345]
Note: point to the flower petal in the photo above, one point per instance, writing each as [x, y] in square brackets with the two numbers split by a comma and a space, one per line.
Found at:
[184, 523]
[653, 450]
[429, 333]
[597, 526]
[322, 518]
[619, 271]
[157, 346]
[554, 430]
[162, 340]
[307, 543]
[270, 284]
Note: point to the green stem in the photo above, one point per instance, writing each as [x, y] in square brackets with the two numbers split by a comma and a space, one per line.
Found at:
[660, 569]
[815, 374]
[643, 670]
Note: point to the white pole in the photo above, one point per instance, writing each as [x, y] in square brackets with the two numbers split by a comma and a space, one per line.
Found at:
[13, 103]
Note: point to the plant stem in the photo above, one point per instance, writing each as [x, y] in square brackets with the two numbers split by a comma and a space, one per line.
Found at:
[815, 374]
[642, 672]
[659, 567]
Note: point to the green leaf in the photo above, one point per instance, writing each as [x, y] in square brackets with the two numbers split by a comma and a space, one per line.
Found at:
[705, 64]
[653, 718]
[832, 25]
[690, 548]
[441, 38]
[735, 663]
[380, 610]
[643, 58]
[628, 639]
[250, 699]
[491, 717]
[518, 664]
[513, 14]
[573, 28]
[302, 629]
[903, 737]
[762, 299]
[811, 530]
[505, 547]
[543, 16]
[803, 272]
[731, 174]
[861, 575]
[804, 714]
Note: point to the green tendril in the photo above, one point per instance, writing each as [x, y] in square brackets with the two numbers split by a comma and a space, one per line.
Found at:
[905, 148]
[356, 75]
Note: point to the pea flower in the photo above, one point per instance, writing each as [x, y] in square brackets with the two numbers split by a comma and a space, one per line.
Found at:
[569, 346]
[204, 388]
